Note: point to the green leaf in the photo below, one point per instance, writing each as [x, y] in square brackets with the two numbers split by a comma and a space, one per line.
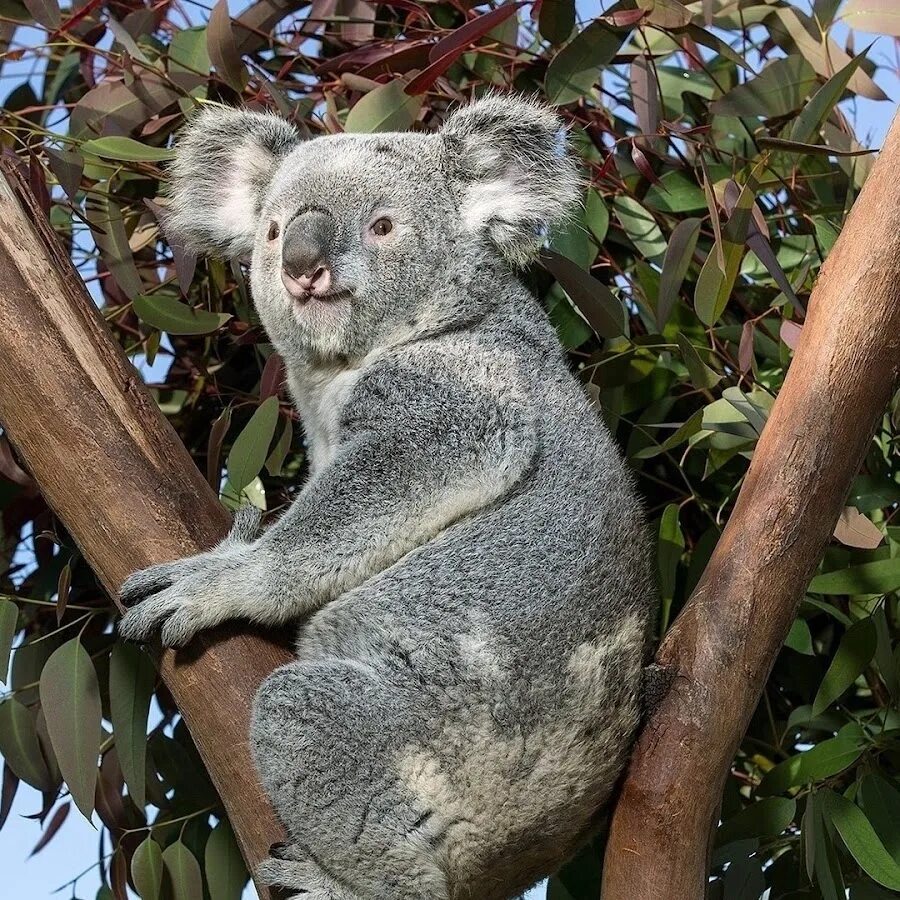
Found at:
[573, 72]
[669, 553]
[132, 677]
[676, 192]
[854, 653]
[183, 871]
[275, 460]
[873, 16]
[702, 376]
[879, 577]
[778, 90]
[812, 117]
[108, 229]
[19, 745]
[666, 13]
[596, 215]
[884, 657]
[800, 639]
[744, 880]
[189, 61]
[826, 864]
[679, 254]
[810, 149]
[251, 448]
[68, 168]
[685, 431]
[70, 698]
[594, 299]
[9, 619]
[764, 819]
[147, 869]
[715, 284]
[45, 12]
[880, 801]
[556, 20]
[825, 759]
[169, 314]
[640, 225]
[386, 108]
[125, 148]
[861, 840]
[226, 873]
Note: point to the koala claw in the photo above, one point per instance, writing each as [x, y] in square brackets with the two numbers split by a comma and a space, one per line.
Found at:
[141, 621]
[148, 581]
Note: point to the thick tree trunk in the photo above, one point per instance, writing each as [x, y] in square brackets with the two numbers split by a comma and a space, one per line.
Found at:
[725, 641]
[113, 470]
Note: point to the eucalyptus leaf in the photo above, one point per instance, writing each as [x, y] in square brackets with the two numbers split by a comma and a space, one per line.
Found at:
[251, 447]
[70, 699]
[169, 314]
[132, 677]
[147, 869]
[386, 108]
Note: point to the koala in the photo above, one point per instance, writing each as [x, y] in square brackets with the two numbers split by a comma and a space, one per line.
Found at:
[466, 565]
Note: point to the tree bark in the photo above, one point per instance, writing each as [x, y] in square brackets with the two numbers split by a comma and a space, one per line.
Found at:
[118, 477]
[723, 644]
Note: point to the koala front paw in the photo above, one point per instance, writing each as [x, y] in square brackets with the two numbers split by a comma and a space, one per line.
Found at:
[182, 598]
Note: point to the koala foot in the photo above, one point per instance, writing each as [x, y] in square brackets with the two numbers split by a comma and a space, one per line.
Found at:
[290, 868]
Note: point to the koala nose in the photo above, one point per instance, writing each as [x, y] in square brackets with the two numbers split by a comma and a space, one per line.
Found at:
[304, 255]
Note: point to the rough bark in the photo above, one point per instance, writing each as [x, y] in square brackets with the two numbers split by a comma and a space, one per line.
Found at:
[723, 644]
[118, 477]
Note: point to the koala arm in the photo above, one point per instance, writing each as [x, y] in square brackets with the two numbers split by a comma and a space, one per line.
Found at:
[416, 455]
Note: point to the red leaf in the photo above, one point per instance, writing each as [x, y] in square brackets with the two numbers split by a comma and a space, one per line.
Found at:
[118, 875]
[466, 35]
[65, 580]
[222, 47]
[790, 333]
[745, 349]
[10, 786]
[427, 77]
[639, 158]
[645, 96]
[9, 468]
[50, 831]
[37, 181]
[625, 18]
[272, 379]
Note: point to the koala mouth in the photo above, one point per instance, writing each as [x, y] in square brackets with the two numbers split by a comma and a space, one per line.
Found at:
[330, 297]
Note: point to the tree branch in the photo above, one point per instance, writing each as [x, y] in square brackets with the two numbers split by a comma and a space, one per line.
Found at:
[724, 643]
[115, 473]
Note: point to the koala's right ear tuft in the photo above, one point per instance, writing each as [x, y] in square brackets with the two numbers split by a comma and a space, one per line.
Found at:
[219, 177]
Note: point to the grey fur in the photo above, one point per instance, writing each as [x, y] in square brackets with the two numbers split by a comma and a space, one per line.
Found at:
[467, 561]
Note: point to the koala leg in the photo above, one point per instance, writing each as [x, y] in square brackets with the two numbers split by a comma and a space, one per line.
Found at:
[325, 736]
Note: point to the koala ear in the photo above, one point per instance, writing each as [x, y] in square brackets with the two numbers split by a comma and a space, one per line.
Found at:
[219, 177]
[516, 177]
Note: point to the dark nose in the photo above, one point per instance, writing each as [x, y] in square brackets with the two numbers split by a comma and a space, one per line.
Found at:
[305, 249]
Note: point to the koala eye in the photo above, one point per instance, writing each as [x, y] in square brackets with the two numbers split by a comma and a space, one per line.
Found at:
[274, 230]
[382, 226]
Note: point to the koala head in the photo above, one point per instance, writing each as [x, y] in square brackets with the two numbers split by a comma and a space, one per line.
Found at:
[359, 240]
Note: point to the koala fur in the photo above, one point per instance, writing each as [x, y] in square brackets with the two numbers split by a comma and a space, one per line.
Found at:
[466, 564]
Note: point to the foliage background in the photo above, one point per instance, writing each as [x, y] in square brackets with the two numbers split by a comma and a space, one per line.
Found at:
[720, 161]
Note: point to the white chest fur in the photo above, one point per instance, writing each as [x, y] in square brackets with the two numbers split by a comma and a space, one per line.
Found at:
[320, 394]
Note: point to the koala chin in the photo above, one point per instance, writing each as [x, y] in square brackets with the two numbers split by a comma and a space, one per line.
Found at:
[466, 565]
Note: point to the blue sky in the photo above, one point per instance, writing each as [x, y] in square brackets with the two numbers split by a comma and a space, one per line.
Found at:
[76, 846]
